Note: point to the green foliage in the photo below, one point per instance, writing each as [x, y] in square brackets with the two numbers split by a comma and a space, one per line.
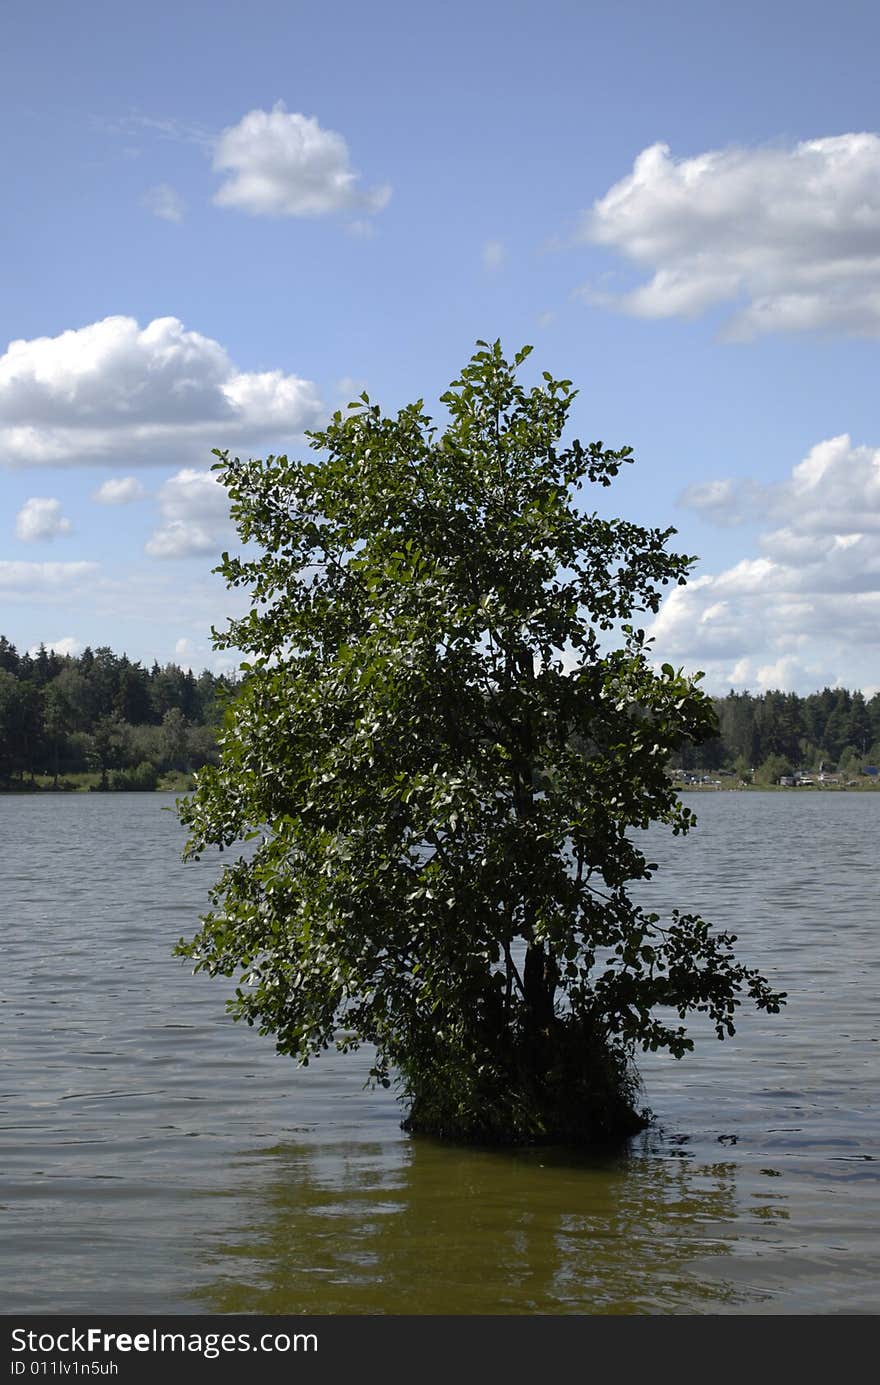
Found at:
[144, 777]
[804, 731]
[742, 770]
[774, 768]
[441, 768]
[19, 724]
[60, 715]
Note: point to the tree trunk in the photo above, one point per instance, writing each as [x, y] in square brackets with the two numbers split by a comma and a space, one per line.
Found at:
[540, 977]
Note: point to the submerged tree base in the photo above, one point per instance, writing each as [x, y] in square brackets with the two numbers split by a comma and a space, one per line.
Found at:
[559, 1086]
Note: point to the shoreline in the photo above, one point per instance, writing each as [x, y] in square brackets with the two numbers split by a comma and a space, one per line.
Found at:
[778, 788]
[64, 791]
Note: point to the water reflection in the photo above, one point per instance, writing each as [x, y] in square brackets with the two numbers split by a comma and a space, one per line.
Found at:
[420, 1228]
[142, 1172]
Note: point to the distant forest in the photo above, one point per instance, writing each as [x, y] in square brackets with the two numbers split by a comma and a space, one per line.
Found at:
[777, 734]
[97, 720]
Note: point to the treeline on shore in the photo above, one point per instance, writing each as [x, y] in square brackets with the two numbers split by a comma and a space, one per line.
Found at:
[768, 736]
[97, 720]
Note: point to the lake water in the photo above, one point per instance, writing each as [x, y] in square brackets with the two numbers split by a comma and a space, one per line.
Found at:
[158, 1158]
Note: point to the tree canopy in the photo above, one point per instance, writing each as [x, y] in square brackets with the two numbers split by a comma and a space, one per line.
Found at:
[448, 734]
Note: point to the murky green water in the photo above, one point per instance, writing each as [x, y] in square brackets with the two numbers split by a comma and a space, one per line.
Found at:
[157, 1158]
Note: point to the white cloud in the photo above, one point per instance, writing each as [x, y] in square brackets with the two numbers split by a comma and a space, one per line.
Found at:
[834, 490]
[281, 163]
[112, 393]
[195, 514]
[179, 539]
[41, 518]
[145, 595]
[195, 655]
[806, 610]
[120, 490]
[165, 202]
[34, 578]
[494, 255]
[67, 645]
[724, 502]
[792, 236]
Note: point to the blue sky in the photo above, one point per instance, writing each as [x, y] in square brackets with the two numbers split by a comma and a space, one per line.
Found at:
[224, 220]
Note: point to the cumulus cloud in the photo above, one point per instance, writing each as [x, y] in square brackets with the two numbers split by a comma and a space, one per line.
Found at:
[120, 490]
[195, 516]
[68, 644]
[789, 235]
[114, 393]
[805, 610]
[835, 490]
[165, 202]
[29, 579]
[195, 654]
[41, 518]
[281, 163]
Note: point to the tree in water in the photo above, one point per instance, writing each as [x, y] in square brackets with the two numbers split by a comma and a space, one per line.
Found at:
[448, 734]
